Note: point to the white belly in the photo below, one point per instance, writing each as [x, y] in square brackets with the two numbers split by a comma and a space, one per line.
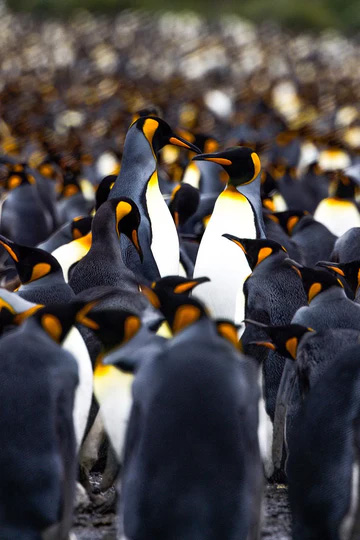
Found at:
[70, 253]
[337, 216]
[113, 392]
[223, 261]
[165, 241]
[75, 344]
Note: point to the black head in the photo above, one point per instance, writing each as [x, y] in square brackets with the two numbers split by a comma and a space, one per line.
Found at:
[151, 110]
[256, 250]
[240, 162]
[288, 219]
[31, 263]
[17, 176]
[57, 320]
[80, 226]
[314, 280]
[349, 271]
[169, 295]
[284, 339]
[158, 134]
[184, 203]
[113, 327]
[229, 331]
[127, 219]
[103, 189]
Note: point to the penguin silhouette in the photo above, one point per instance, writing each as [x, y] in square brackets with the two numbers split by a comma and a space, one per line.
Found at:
[234, 213]
[191, 387]
[138, 180]
[103, 264]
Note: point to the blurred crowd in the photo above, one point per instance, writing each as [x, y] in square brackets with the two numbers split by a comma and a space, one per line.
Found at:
[69, 90]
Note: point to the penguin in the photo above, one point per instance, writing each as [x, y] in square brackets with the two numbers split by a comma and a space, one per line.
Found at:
[138, 180]
[68, 255]
[347, 246]
[183, 396]
[323, 462]
[73, 230]
[39, 379]
[328, 306]
[234, 213]
[347, 273]
[103, 189]
[41, 277]
[112, 387]
[103, 264]
[274, 231]
[23, 216]
[309, 355]
[72, 202]
[273, 294]
[316, 184]
[183, 204]
[339, 212]
[314, 241]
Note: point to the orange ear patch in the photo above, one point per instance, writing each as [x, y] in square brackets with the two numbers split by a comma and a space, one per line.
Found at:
[131, 327]
[263, 254]
[314, 290]
[257, 164]
[184, 316]
[39, 270]
[292, 221]
[291, 346]
[52, 326]
[151, 296]
[228, 331]
[10, 251]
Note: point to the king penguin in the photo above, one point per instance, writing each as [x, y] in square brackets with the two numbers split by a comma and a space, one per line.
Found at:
[197, 386]
[39, 379]
[138, 180]
[237, 213]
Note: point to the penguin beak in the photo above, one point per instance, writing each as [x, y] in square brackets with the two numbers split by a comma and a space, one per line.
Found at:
[189, 285]
[330, 266]
[235, 240]
[176, 140]
[267, 344]
[215, 158]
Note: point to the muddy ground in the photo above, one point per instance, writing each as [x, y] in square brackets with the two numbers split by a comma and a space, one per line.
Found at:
[94, 525]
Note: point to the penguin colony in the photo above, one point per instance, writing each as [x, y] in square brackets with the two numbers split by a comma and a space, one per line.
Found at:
[180, 308]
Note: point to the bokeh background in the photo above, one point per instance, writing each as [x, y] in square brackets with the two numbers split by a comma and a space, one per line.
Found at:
[316, 14]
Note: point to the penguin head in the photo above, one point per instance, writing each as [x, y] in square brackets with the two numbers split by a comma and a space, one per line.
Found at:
[151, 110]
[57, 320]
[288, 219]
[31, 263]
[158, 134]
[127, 218]
[240, 162]
[256, 250]
[80, 226]
[113, 327]
[169, 295]
[314, 280]
[349, 271]
[18, 177]
[283, 339]
[103, 190]
[229, 331]
[184, 202]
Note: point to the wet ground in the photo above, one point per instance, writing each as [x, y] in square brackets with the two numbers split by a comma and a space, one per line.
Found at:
[94, 525]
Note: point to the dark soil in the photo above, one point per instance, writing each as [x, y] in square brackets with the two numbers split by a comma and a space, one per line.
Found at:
[92, 524]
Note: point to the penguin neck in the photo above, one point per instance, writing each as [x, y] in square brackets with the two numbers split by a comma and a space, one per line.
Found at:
[333, 294]
[137, 166]
[104, 235]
